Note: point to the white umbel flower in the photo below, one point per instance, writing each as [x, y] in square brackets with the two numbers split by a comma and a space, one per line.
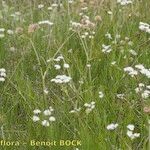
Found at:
[57, 67]
[131, 127]
[47, 112]
[36, 111]
[2, 74]
[35, 118]
[130, 131]
[40, 6]
[45, 22]
[112, 126]
[45, 123]
[124, 2]
[66, 66]
[52, 119]
[61, 79]
[144, 27]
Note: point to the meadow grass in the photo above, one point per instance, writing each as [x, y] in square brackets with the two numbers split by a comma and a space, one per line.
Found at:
[29, 59]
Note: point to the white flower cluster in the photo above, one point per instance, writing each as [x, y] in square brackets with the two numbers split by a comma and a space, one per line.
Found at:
[112, 126]
[143, 70]
[75, 110]
[2, 32]
[58, 66]
[61, 79]
[2, 74]
[130, 133]
[143, 90]
[40, 6]
[45, 22]
[131, 71]
[144, 27]
[53, 6]
[124, 2]
[106, 48]
[46, 116]
[89, 107]
[59, 58]
[86, 34]
[138, 69]
[101, 94]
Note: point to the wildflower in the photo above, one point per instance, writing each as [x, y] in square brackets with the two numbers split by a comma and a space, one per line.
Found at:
[139, 66]
[33, 27]
[106, 48]
[109, 12]
[59, 58]
[37, 111]
[66, 66]
[10, 32]
[35, 118]
[40, 6]
[130, 127]
[2, 74]
[45, 22]
[145, 94]
[47, 112]
[143, 90]
[131, 71]
[49, 8]
[57, 67]
[112, 126]
[124, 2]
[52, 119]
[45, 123]
[46, 116]
[132, 135]
[88, 65]
[130, 131]
[143, 70]
[101, 94]
[51, 109]
[144, 27]
[54, 5]
[61, 79]
[89, 107]
[75, 110]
